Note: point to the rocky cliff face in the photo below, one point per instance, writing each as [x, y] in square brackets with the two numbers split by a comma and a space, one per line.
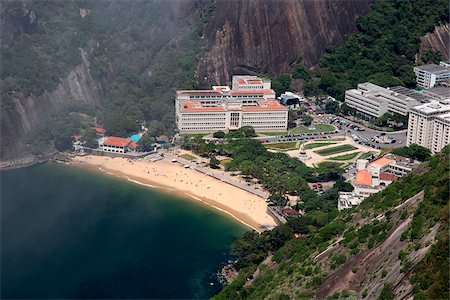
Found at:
[270, 36]
[26, 112]
[438, 40]
[242, 36]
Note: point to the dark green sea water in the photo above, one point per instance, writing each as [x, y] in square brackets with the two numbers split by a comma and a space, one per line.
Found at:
[72, 233]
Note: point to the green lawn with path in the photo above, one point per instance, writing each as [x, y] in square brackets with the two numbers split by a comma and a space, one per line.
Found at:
[273, 133]
[335, 150]
[366, 155]
[318, 128]
[345, 156]
[317, 145]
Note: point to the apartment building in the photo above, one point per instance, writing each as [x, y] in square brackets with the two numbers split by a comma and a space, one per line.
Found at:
[374, 101]
[429, 126]
[251, 102]
[427, 76]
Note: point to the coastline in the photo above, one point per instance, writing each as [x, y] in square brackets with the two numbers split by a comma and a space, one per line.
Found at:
[167, 177]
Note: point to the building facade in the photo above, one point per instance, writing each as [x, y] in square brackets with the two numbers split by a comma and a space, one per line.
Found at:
[427, 76]
[429, 126]
[251, 102]
[375, 101]
[115, 144]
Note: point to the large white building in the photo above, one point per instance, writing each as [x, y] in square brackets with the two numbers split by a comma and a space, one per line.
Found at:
[374, 101]
[429, 126]
[251, 102]
[428, 76]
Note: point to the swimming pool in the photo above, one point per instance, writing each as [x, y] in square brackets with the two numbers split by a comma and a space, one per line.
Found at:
[135, 137]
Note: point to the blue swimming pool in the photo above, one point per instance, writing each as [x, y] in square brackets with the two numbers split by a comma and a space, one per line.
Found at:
[135, 137]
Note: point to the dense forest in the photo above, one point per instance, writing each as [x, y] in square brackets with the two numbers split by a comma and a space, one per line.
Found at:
[139, 63]
[382, 51]
[292, 268]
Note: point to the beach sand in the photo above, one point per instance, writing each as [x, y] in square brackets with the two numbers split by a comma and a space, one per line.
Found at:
[173, 178]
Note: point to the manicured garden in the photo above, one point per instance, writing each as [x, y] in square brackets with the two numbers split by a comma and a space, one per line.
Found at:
[317, 145]
[286, 146]
[318, 128]
[335, 150]
[345, 156]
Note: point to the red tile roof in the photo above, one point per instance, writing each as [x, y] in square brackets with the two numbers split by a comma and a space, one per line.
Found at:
[266, 105]
[381, 162]
[388, 176]
[100, 130]
[363, 177]
[290, 212]
[252, 92]
[117, 141]
[133, 145]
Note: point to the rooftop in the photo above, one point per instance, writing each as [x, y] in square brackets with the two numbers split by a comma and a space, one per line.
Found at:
[197, 106]
[117, 141]
[388, 176]
[432, 108]
[434, 69]
[381, 162]
[363, 177]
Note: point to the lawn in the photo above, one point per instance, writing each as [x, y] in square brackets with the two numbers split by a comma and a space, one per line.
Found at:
[273, 133]
[345, 156]
[188, 156]
[335, 150]
[286, 146]
[224, 161]
[366, 155]
[318, 144]
[318, 128]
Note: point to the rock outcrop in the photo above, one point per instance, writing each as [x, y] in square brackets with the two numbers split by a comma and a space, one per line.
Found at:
[26, 112]
[270, 36]
[438, 40]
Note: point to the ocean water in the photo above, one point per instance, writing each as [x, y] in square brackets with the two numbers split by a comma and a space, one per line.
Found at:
[73, 233]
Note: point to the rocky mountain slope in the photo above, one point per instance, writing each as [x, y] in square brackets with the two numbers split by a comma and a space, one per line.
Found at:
[437, 40]
[42, 42]
[270, 36]
[394, 245]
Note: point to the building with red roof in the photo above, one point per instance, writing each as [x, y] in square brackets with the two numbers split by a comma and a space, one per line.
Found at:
[251, 102]
[115, 144]
[100, 130]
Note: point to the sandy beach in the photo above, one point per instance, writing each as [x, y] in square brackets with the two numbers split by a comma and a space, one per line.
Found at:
[166, 176]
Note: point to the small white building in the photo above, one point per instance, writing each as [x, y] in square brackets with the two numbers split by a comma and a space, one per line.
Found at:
[115, 144]
[428, 76]
[348, 199]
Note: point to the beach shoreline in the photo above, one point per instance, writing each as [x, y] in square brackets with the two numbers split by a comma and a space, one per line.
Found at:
[164, 176]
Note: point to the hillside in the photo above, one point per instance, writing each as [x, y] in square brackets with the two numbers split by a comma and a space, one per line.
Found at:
[121, 61]
[395, 244]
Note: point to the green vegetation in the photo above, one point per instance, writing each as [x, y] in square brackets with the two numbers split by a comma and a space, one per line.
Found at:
[414, 151]
[192, 135]
[243, 132]
[219, 135]
[188, 157]
[345, 156]
[382, 50]
[366, 155]
[140, 69]
[145, 143]
[273, 133]
[318, 128]
[297, 274]
[317, 145]
[334, 150]
[285, 146]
